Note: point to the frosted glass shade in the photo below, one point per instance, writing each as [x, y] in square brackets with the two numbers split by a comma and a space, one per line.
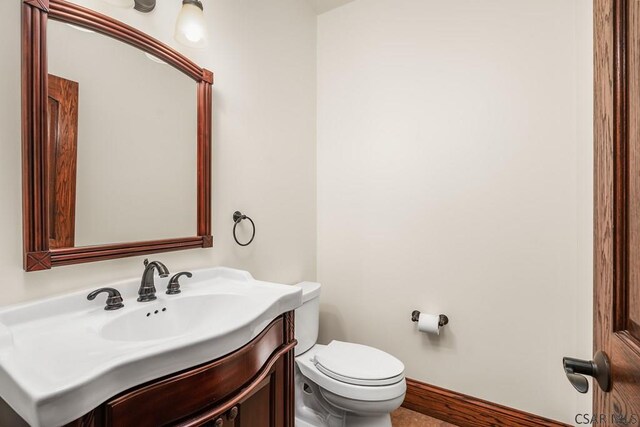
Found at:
[190, 26]
[121, 3]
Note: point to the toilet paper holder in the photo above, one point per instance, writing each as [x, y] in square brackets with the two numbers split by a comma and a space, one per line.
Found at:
[415, 315]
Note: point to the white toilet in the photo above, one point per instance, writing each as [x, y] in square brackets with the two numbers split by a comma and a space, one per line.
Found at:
[341, 384]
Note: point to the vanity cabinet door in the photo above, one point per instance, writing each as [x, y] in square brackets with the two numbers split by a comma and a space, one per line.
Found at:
[184, 395]
[265, 406]
[263, 403]
[259, 410]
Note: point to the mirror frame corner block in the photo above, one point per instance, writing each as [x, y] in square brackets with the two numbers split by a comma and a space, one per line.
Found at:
[37, 253]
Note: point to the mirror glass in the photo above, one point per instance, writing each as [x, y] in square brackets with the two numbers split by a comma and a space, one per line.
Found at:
[122, 142]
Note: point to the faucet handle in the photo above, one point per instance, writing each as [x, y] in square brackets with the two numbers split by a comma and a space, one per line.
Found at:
[114, 299]
[174, 285]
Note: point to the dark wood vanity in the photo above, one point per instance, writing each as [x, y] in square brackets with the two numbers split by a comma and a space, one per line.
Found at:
[251, 387]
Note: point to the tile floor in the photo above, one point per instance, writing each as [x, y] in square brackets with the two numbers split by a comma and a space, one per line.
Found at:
[405, 418]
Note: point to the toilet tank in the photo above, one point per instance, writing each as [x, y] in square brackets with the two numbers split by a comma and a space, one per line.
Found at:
[307, 318]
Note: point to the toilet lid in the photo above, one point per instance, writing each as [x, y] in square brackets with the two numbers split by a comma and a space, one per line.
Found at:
[358, 364]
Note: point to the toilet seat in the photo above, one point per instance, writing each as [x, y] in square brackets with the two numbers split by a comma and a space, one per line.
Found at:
[358, 364]
[382, 392]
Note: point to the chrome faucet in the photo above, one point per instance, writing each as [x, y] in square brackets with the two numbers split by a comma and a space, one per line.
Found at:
[147, 291]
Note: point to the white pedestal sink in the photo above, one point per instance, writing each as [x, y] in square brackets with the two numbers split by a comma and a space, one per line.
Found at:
[61, 357]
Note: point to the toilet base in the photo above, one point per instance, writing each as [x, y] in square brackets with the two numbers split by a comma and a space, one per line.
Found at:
[313, 410]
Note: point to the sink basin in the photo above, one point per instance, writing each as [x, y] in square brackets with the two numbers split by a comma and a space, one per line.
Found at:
[173, 317]
[61, 357]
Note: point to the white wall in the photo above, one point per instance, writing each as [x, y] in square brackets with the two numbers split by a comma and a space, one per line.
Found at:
[455, 176]
[263, 57]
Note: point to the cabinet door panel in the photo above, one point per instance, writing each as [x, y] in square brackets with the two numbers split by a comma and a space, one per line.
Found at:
[169, 400]
[262, 406]
[266, 406]
[258, 409]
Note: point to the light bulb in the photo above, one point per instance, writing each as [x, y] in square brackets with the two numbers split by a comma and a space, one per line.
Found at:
[190, 26]
[121, 3]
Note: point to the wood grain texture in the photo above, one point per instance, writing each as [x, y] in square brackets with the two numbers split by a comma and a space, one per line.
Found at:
[467, 411]
[40, 4]
[288, 377]
[62, 159]
[35, 232]
[207, 76]
[82, 254]
[204, 159]
[620, 159]
[275, 407]
[617, 193]
[207, 241]
[258, 410]
[170, 399]
[36, 261]
[603, 178]
[631, 290]
[38, 254]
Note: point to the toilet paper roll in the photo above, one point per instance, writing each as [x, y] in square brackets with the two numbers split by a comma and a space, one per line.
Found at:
[429, 323]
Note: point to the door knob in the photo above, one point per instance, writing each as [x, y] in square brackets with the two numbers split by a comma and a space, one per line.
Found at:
[598, 368]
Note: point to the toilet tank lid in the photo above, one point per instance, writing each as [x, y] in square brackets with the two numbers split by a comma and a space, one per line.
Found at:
[310, 290]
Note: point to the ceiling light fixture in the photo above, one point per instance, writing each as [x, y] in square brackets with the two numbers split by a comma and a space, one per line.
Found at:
[190, 26]
[145, 6]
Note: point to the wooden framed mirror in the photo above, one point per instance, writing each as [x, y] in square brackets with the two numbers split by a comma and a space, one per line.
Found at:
[51, 234]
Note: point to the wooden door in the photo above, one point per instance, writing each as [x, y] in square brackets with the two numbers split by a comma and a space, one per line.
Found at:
[617, 207]
[62, 141]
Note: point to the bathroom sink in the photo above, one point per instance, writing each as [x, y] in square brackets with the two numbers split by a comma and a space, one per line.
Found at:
[173, 317]
[61, 357]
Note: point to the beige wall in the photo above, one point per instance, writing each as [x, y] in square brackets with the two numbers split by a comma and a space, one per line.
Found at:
[454, 176]
[263, 56]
